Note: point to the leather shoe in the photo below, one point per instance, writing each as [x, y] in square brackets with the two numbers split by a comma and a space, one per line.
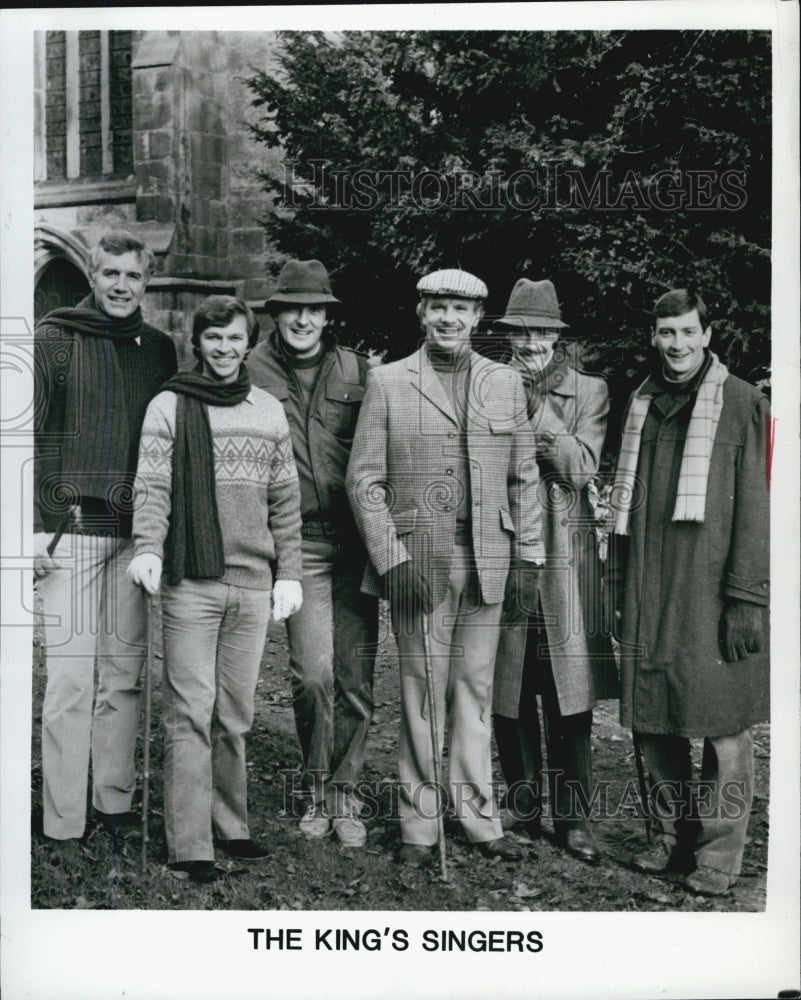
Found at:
[125, 825]
[243, 850]
[415, 855]
[202, 872]
[500, 848]
[709, 881]
[582, 845]
[659, 859]
[653, 861]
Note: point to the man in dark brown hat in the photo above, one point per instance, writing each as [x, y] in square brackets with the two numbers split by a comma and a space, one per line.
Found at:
[553, 648]
[332, 639]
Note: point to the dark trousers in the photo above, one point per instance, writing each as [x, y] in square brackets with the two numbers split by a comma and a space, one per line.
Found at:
[567, 741]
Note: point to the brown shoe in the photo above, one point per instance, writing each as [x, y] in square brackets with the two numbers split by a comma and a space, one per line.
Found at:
[500, 848]
[581, 843]
[709, 881]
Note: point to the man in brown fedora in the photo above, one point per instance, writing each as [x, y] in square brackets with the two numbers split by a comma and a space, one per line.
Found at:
[332, 638]
[553, 647]
[443, 485]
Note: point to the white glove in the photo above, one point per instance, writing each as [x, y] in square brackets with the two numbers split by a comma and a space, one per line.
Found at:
[43, 562]
[287, 598]
[145, 570]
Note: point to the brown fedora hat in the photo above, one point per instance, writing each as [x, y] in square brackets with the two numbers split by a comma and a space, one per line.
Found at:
[533, 303]
[304, 282]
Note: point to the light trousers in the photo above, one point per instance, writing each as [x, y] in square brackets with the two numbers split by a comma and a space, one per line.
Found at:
[332, 647]
[214, 637]
[463, 640]
[90, 610]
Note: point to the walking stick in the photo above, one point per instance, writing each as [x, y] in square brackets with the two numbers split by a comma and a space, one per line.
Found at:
[74, 513]
[146, 744]
[432, 718]
[643, 785]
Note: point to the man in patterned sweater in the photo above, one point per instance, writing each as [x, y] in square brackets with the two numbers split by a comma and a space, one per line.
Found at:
[217, 501]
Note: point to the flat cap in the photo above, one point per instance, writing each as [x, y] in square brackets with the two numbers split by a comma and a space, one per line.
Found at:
[452, 281]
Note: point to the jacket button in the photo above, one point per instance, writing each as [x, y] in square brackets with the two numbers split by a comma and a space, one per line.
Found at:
[449, 472]
[346, 395]
[447, 507]
[563, 521]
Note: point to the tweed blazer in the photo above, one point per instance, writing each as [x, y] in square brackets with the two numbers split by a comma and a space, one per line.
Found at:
[400, 476]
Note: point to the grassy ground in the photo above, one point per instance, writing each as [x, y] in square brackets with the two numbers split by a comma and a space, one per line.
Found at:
[319, 875]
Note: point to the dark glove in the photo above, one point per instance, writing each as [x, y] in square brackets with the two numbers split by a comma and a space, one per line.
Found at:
[741, 630]
[407, 590]
[522, 589]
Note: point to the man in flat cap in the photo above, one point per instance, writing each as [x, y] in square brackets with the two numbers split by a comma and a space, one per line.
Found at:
[555, 648]
[443, 484]
[332, 639]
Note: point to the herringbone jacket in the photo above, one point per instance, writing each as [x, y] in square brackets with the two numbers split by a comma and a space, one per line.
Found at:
[400, 475]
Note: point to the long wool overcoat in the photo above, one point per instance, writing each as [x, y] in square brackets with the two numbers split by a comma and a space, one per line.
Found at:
[569, 427]
[678, 574]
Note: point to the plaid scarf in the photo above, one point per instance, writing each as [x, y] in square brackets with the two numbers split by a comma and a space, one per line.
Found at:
[694, 470]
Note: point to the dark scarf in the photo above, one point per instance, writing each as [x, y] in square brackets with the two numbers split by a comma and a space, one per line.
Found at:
[96, 448]
[539, 383]
[194, 546]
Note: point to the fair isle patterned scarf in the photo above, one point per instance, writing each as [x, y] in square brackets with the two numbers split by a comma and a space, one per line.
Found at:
[694, 471]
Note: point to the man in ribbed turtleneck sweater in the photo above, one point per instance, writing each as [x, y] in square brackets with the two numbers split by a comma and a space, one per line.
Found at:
[443, 485]
[98, 365]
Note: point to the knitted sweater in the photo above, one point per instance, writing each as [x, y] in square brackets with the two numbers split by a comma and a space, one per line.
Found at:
[258, 497]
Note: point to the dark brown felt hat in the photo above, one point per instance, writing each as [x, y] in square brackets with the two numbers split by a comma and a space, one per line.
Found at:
[533, 303]
[302, 282]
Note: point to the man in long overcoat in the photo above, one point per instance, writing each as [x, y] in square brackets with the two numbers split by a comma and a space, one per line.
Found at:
[443, 485]
[690, 571]
[555, 649]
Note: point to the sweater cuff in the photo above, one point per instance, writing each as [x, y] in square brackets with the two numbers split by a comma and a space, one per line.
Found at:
[752, 591]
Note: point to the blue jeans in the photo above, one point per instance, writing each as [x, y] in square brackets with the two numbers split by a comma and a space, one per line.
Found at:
[332, 648]
[214, 637]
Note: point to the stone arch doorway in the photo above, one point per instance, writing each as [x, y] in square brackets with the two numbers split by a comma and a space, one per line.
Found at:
[59, 272]
[61, 284]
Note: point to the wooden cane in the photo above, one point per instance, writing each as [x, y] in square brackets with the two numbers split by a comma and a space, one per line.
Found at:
[146, 744]
[432, 718]
[643, 785]
[74, 513]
